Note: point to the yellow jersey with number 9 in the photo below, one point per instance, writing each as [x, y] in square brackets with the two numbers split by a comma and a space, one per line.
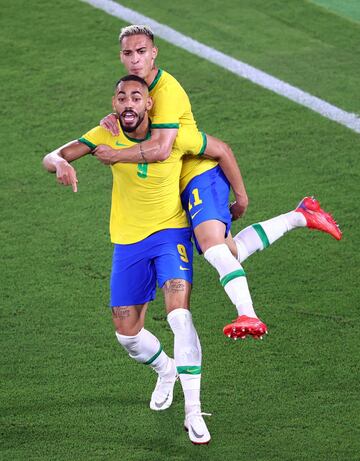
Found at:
[145, 197]
[172, 109]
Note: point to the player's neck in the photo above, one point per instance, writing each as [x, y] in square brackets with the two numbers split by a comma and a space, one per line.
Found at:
[151, 77]
[141, 131]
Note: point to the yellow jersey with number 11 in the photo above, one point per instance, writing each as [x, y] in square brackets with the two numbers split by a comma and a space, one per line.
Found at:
[172, 109]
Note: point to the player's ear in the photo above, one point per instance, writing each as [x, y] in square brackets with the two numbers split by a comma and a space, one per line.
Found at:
[149, 103]
[154, 52]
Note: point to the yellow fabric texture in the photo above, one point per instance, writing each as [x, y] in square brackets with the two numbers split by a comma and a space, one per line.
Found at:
[172, 109]
[145, 197]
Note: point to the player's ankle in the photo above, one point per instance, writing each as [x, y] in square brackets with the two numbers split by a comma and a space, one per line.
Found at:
[192, 407]
[295, 219]
[247, 310]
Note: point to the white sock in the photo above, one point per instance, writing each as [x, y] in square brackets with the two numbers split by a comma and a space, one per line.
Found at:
[261, 235]
[187, 355]
[232, 278]
[146, 348]
[191, 388]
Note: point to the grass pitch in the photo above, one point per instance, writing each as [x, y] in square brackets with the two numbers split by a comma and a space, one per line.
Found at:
[68, 391]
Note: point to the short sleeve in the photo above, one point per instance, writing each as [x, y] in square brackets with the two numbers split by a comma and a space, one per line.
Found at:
[94, 137]
[169, 107]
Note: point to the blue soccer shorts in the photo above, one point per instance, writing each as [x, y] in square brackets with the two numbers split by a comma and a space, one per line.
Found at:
[206, 197]
[137, 267]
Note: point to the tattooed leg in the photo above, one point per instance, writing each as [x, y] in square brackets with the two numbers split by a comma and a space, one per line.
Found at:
[129, 320]
[187, 348]
[176, 294]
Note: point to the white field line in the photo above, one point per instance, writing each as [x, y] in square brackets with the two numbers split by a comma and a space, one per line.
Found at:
[233, 65]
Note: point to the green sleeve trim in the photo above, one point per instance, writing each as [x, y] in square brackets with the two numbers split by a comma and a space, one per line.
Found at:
[156, 79]
[154, 357]
[191, 370]
[261, 233]
[204, 144]
[88, 143]
[165, 125]
[233, 275]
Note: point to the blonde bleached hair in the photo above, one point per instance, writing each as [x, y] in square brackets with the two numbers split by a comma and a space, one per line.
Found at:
[136, 29]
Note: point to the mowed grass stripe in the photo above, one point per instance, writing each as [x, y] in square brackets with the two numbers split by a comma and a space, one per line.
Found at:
[239, 68]
[349, 9]
[297, 44]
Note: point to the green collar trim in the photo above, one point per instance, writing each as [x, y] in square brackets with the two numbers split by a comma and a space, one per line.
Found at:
[148, 135]
[156, 79]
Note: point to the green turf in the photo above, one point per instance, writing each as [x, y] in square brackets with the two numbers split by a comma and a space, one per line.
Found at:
[349, 8]
[293, 40]
[68, 391]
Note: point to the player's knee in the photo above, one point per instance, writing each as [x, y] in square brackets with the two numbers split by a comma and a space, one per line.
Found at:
[179, 319]
[177, 293]
[219, 255]
[127, 342]
[209, 242]
[210, 233]
[132, 346]
[127, 320]
[181, 323]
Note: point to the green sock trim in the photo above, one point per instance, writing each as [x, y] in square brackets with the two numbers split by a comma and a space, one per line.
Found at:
[154, 356]
[233, 275]
[191, 370]
[261, 233]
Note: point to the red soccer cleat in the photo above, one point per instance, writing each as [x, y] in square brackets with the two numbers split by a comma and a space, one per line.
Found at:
[244, 326]
[316, 218]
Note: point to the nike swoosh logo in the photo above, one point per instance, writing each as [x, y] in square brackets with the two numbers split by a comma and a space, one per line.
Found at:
[184, 268]
[159, 405]
[117, 143]
[192, 371]
[196, 212]
[198, 436]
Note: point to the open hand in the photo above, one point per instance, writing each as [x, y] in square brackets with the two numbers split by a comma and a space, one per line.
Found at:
[110, 123]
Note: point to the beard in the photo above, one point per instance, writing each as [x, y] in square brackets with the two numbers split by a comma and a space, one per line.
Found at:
[131, 128]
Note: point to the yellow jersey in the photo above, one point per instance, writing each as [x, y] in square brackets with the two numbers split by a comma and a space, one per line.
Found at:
[172, 109]
[145, 197]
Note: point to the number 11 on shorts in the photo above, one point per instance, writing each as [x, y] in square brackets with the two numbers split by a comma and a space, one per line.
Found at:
[197, 199]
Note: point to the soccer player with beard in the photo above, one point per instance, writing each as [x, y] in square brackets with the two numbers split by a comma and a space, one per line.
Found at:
[151, 237]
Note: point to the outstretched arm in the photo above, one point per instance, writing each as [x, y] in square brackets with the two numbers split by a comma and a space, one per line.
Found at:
[221, 152]
[58, 161]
